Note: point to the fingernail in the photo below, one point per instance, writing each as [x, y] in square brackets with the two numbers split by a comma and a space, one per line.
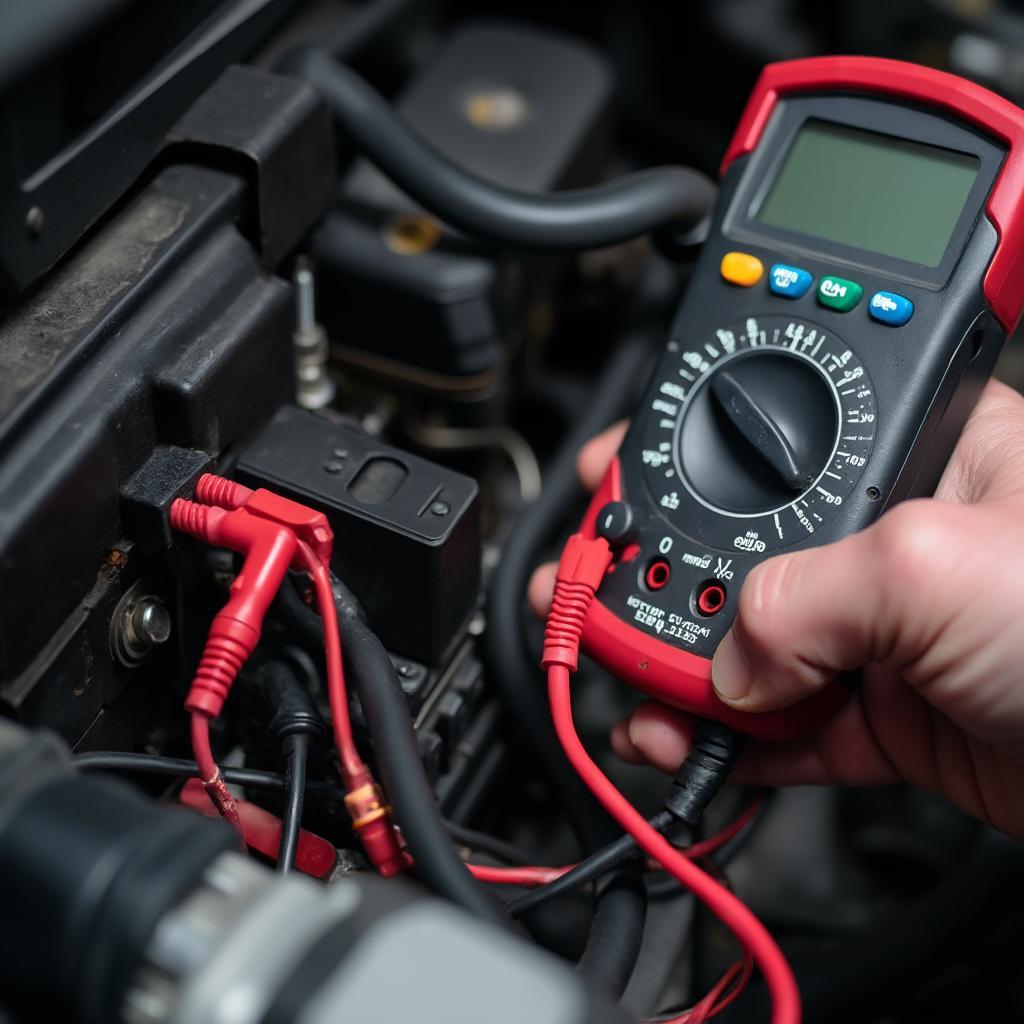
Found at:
[730, 671]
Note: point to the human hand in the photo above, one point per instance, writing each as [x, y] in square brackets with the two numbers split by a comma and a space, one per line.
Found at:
[929, 600]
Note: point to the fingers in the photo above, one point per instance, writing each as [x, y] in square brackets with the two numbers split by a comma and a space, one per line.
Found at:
[844, 752]
[876, 595]
[655, 734]
[988, 460]
[541, 588]
[596, 455]
[593, 462]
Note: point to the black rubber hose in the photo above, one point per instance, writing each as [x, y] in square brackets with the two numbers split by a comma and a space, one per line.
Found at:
[617, 928]
[296, 755]
[512, 666]
[677, 199]
[516, 675]
[397, 754]
[621, 851]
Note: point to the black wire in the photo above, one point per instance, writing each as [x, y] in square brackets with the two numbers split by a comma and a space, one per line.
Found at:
[675, 198]
[482, 842]
[619, 852]
[182, 768]
[296, 754]
[174, 767]
[515, 673]
[397, 753]
[609, 856]
[604, 860]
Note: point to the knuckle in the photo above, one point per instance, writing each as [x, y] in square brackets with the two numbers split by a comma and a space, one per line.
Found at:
[907, 539]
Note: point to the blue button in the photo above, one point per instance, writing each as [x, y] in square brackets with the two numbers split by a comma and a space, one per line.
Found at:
[789, 281]
[890, 308]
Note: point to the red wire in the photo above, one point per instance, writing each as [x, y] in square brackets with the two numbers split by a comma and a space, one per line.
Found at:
[727, 989]
[528, 876]
[351, 763]
[209, 773]
[708, 846]
[750, 932]
[537, 875]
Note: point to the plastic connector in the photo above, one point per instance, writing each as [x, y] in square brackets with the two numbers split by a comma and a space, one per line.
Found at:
[371, 820]
[714, 751]
[293, 712]
[306, 523]
[581, 568]
[269, 550]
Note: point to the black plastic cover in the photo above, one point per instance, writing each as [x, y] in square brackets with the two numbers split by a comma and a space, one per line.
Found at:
[518, 106]
[407, 531]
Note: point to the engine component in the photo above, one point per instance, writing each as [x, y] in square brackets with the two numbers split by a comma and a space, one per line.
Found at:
[408, 530]
[523, 108]
[440, 176]
[87, 114]
[129, 913]
[160, 343]
[314, 386]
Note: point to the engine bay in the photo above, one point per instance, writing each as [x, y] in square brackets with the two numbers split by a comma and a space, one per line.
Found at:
[287, 426]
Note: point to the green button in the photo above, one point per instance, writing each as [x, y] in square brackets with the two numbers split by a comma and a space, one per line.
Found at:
[838, 293]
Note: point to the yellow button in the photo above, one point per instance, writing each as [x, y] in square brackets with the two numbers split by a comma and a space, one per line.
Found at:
[742, 268]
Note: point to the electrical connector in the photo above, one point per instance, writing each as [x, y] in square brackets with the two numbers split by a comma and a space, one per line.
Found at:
[275, 533]
[269, 550]
[714, 751]
[371, 820]
[581, 568]
[308, 524]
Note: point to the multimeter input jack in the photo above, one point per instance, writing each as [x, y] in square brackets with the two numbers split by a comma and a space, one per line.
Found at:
[657, 574]
[709, 597]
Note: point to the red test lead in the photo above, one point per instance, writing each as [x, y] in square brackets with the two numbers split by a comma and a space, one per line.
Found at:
[581, 569]
[274, 534]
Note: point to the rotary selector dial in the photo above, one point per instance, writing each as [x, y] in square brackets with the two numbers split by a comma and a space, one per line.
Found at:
[757, 433]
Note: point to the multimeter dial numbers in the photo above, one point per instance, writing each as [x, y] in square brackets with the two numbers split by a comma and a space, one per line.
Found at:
[758, 433]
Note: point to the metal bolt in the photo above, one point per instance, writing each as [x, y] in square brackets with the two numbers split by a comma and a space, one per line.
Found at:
[305, 300]
[141, 622]
[333, 467]
[151, 622]
[314, 387]
[440, 508]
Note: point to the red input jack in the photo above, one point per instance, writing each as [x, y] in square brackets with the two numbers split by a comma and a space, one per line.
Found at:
[658, 574]
[710, 597]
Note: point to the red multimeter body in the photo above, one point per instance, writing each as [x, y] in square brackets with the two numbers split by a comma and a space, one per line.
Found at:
[863, 268]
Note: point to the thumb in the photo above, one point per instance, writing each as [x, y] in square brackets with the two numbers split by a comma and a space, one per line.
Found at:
[806, 616]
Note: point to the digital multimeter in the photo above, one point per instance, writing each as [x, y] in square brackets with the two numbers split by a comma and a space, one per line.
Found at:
[864, 264]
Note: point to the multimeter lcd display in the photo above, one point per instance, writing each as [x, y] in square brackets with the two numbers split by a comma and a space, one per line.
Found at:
[870, 191]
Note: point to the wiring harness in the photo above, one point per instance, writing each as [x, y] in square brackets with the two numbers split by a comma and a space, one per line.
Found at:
[274, 534]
